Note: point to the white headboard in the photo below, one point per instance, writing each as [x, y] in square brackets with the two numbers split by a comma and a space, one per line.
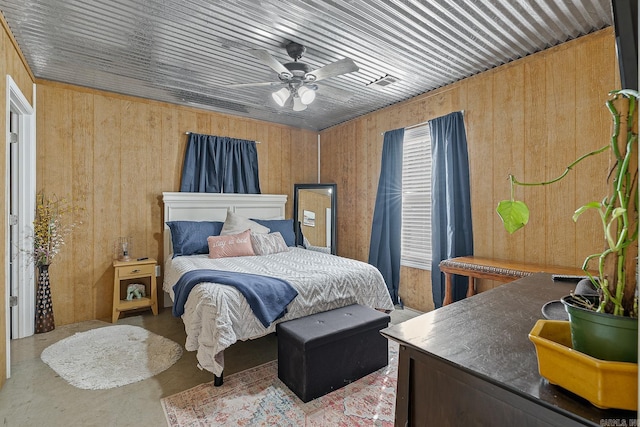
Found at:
[214, 206]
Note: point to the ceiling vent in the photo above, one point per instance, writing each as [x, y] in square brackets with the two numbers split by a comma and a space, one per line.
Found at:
[209, 101]
[383, 82]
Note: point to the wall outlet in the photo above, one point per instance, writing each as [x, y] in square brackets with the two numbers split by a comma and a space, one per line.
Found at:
[158, 272]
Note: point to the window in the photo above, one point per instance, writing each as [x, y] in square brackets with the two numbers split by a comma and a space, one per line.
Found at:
[416, 198]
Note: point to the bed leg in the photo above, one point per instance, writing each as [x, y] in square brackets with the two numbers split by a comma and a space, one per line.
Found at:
[217, 380]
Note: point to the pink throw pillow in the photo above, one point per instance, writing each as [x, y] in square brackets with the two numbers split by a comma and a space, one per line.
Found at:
[230, 245]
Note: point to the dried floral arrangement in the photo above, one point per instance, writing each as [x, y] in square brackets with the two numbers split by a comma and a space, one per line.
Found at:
[53, 223]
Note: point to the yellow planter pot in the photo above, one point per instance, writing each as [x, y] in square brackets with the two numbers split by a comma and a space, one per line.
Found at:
[604, 384]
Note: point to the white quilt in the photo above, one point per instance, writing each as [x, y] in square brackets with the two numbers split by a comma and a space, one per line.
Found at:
[217, 315]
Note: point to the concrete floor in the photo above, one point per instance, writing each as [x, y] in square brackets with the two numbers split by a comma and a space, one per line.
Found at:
[36, 396]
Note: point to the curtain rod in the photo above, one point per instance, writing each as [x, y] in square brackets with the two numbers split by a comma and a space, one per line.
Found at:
[419, 124]
[416, 125]
[411, 127]
[189, 133]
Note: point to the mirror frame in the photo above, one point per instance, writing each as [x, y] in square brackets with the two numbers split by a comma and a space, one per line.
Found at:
[334, 200]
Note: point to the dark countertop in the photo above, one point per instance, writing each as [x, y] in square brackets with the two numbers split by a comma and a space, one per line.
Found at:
[487, 336]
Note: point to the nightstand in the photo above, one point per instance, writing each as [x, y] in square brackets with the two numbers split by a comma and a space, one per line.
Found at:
[129, 272]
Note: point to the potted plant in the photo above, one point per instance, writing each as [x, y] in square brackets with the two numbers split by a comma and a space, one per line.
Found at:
[603, 325]
[615, 267]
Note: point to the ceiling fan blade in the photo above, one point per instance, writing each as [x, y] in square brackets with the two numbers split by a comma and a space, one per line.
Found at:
[255, 84]
[337, 68]
[269, 60]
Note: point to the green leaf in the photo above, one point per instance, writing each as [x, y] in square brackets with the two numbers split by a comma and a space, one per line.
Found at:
[582, 209]
[514, 214]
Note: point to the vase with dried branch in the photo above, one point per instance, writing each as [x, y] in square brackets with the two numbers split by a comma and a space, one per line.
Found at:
[53, 223]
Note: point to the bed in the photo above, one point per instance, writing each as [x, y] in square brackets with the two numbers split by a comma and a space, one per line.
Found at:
[215, 316]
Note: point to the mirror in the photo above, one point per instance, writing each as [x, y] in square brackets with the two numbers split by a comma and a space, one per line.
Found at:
[314, 216]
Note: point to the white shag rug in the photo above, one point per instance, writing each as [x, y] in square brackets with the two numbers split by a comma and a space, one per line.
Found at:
[111, 356]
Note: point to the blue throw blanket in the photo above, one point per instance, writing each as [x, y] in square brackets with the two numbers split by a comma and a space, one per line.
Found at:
[267, 296]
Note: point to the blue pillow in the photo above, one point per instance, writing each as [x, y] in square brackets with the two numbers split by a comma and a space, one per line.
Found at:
[284, 226]
[190, 237]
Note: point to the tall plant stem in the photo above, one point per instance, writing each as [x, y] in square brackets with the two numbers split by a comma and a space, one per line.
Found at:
[568, 169]
[618, 212]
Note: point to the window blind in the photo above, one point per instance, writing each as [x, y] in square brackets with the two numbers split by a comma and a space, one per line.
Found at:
[416, 198]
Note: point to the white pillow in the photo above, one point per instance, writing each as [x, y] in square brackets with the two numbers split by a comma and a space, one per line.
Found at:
[266, 244]
[235, 224]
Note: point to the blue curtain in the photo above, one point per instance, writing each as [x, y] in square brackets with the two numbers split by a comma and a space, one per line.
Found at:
[241, 167]
[215, 164]
[452, 233]
[384, 250]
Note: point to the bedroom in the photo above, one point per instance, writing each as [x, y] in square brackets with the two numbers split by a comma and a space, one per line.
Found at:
[95, 144]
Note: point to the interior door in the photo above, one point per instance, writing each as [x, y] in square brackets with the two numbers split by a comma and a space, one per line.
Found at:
[20, 161]
[13, 232]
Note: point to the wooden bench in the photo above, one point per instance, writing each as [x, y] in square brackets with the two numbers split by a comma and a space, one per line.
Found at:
[493, 269]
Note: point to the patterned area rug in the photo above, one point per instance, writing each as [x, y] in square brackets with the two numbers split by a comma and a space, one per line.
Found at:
[111, 356]
[256, 397]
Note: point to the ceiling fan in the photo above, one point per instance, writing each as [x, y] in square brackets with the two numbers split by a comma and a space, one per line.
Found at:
[297, 78]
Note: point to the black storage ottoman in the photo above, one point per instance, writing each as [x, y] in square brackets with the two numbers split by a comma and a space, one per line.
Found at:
[325, 351]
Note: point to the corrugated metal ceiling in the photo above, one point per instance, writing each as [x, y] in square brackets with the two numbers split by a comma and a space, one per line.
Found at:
[187, 52]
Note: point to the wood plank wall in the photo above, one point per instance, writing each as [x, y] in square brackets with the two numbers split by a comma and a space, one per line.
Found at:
[11, 63]
[532, 118]
[113, 156]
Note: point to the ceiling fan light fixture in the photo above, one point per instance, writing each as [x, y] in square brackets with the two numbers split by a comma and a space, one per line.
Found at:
[297, 78]
[298, 105]
[307, 95]
[281, 96]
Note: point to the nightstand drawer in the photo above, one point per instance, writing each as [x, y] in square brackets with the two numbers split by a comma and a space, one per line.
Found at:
[136, 270]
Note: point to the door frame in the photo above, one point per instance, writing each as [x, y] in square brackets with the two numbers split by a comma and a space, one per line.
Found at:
[24, 320]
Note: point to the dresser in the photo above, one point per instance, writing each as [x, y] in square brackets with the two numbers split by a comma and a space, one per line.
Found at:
[471, 363]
